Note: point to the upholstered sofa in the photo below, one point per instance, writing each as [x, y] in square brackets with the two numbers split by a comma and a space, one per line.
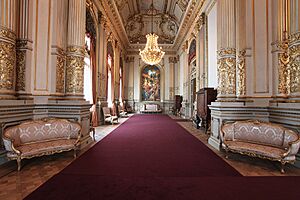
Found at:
[41, 137]
[150, 108]
[261, 139]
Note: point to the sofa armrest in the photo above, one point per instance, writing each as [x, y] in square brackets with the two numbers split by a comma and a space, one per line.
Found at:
[9, 146]
[293, 148]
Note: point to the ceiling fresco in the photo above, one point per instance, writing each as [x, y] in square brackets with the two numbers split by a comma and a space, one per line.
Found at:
[136, 17]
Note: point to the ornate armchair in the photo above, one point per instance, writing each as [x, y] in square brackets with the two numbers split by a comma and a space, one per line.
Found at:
[108, 117]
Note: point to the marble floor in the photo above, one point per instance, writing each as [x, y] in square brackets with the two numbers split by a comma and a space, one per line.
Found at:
[16, 185]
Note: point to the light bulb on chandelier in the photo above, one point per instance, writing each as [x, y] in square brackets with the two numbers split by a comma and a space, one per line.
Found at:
[152, 54]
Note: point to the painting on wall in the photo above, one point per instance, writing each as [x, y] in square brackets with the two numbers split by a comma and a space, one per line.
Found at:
[150, 83]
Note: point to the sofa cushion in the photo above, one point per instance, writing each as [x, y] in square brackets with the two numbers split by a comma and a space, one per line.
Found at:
[41, 148]
[39, 130]
[262, 150]
[265, 133]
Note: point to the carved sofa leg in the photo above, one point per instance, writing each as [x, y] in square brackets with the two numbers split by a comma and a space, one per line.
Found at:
[282, 167]
[226, 153]
[19, 163]
[75, 153]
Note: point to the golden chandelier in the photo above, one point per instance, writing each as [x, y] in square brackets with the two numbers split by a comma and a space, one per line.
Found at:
[152, 54]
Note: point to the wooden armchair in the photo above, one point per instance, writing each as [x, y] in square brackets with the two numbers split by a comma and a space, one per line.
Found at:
[108, 117]
[122, 112]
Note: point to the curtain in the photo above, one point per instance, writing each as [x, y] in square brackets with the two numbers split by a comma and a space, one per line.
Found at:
[94, 83]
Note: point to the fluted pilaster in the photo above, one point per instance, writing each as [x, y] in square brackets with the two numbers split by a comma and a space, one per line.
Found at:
[75, 50]
[172, 62]
[7, 47]
[226, 49]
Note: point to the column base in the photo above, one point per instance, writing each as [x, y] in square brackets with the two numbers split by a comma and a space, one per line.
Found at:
[214, 142]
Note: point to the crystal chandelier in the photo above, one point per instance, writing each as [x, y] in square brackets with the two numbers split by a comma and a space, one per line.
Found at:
[152, 54]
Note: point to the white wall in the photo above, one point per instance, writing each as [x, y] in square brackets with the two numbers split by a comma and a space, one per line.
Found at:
[212, 48]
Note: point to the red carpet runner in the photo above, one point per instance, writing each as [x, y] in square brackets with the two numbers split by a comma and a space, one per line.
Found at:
[152, 157]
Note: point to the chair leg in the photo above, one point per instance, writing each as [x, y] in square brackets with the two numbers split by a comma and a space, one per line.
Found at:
[19, 163]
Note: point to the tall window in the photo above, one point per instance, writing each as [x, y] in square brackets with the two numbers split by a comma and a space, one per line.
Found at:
[109, 78]
[121, 80]
[87, 89]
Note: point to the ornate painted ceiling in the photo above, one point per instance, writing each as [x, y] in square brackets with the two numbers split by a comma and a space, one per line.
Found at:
[136, 17]
[172, 20]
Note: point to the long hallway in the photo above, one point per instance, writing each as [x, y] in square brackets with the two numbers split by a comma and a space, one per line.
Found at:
[153, 157]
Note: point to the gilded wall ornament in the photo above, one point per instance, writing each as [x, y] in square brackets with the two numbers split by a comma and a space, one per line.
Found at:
[75, 70]
[21, 64]
[294, 63]
[20, 70]
[227, 71]
[7, 59]
[60, 73]
[241, 73]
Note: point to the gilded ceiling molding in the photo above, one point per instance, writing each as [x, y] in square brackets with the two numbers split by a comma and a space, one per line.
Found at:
[192, 13]
[110, 10]
[227, 72]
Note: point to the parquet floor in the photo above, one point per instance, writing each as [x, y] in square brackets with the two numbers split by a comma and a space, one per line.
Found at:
[17, 185]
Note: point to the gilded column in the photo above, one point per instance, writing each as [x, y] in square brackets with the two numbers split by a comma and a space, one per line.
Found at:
[7, 47]
[283, 56]
[226, 49]
[75, 49]
[294, 47]
[241, 49]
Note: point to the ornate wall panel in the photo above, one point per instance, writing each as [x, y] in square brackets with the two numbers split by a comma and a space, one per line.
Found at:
[227, 71]
[7, 59]
[241, 73]
[294, 62]
[21, 65]
[60, 72]
[74, 70]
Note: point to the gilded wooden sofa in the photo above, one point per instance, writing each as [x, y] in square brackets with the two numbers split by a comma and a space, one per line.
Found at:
[259, 139]
[41, 137]
[150, 108]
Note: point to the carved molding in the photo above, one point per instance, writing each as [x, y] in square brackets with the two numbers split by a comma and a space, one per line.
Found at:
[173, 60]
[20, 70]
[21, 46]
[129, 59]
[7, 59]
[294, 64]
[75, 70]
[227, 71]
[241, 73]
[164, 25]
[289, 65]
[60, 72]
